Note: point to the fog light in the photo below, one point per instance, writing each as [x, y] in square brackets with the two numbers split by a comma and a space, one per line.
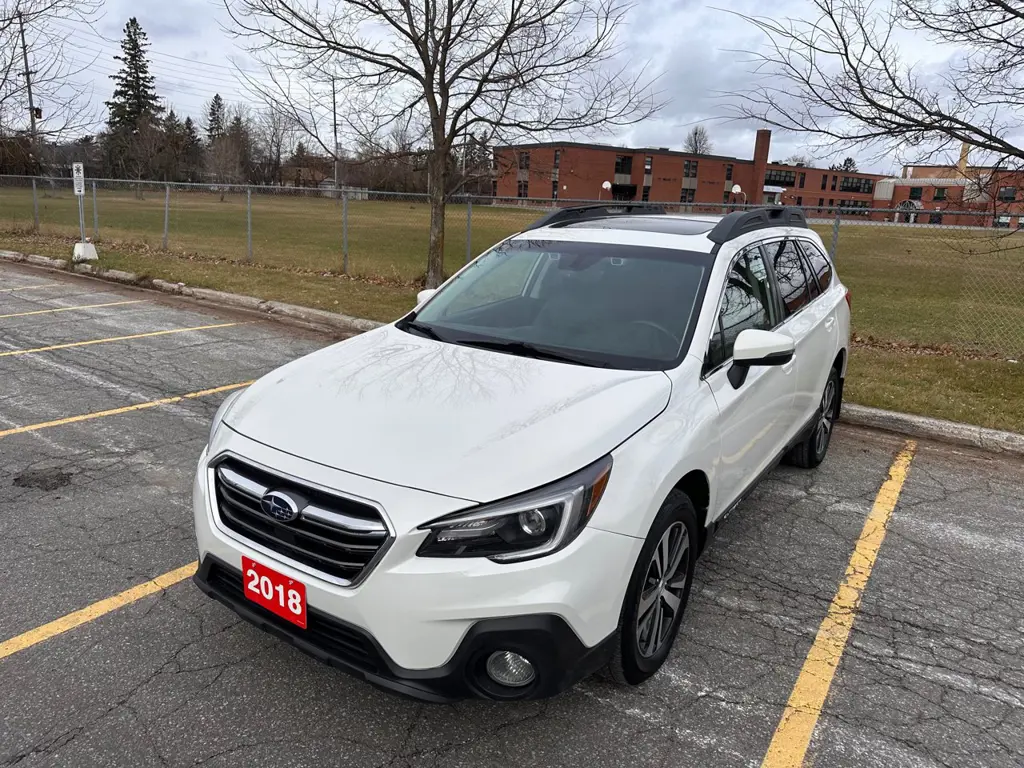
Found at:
[511, 669]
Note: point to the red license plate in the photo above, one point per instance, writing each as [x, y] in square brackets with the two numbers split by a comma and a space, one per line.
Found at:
[277, 593]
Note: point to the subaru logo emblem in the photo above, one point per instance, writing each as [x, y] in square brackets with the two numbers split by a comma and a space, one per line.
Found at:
[279, 506]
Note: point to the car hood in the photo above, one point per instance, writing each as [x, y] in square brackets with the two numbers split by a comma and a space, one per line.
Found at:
[470, 423]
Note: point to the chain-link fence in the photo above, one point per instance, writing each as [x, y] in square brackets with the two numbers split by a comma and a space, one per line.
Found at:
[926, 279]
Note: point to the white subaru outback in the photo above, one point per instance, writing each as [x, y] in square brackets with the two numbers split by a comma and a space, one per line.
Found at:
[508, 489]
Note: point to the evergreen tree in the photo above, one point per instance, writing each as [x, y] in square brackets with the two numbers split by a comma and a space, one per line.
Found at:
[172, 153]
[215, 118]
[193, 155]
[134, 101]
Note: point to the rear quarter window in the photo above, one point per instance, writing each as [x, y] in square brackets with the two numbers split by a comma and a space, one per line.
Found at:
[821, 267]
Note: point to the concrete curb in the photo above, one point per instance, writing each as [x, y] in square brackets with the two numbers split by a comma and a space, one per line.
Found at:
[992, 440]
[317, 318]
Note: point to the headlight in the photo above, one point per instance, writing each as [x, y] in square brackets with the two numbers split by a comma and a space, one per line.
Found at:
[222, 412]
[530, 525]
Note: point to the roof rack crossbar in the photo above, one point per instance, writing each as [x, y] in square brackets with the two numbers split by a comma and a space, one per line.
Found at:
[564, 216]
[739, 223]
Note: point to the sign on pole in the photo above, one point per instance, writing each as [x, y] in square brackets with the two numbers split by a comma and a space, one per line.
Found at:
[84, 251]
[78, 171]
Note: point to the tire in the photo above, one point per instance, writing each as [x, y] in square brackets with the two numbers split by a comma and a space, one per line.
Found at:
[639, 652]
[811, 451]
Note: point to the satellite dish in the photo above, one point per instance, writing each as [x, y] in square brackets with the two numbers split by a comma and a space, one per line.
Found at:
[736, 189]
[607, 185]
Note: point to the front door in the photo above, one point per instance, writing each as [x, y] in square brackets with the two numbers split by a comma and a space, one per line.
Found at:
[754, 416]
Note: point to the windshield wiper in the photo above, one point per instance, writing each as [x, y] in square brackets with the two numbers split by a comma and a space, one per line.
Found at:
[525, 349]
[422, 329]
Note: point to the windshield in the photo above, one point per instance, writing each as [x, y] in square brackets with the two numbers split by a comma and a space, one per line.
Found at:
[608, 305]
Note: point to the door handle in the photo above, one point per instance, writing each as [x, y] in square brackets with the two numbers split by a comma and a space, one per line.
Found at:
[829, 322]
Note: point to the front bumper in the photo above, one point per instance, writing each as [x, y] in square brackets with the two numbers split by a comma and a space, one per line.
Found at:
[417, 624]
[560, 659]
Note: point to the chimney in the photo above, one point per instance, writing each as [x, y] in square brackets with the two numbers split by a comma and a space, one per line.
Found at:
[762, 145]
[961, 165]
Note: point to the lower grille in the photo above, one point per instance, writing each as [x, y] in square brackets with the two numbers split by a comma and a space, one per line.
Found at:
[336, 639]
[331, 534]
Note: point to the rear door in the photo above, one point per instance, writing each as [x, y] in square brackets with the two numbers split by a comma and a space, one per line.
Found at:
[807, 318]
[753, 417]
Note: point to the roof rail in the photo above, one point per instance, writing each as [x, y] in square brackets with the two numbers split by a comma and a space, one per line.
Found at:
[739, 223]
[564, 216]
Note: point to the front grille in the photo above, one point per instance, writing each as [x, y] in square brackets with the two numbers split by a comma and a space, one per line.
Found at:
[331, 534]
[337, 640]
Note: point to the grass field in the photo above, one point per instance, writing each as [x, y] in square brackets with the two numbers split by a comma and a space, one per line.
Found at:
[957, 293]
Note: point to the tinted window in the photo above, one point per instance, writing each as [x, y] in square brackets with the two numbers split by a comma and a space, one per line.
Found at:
[747, 302]
[608, 304]
[821, 268]
[789, 272]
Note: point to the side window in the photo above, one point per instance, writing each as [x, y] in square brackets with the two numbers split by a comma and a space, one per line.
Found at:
[821, 268]
[790, 274]
[747, 302]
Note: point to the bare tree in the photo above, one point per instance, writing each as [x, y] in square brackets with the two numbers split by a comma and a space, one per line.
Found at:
[798, 159]
[59, 91]
[842, 77]
[698, 141]
[446, 71]
[272, 131]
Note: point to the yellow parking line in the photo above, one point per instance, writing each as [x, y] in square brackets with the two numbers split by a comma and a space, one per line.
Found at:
[94, 611]
[123, 409]
[113, 338]
[27, 287]
[69, 309]
[793, 734]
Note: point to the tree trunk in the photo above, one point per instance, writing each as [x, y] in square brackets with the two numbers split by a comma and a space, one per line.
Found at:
[437, 170]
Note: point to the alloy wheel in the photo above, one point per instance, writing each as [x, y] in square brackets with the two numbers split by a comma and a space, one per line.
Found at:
[661, 596]
[828, 413]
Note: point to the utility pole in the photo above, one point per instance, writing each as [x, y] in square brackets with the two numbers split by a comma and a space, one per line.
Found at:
[28, 88]
[334, 112]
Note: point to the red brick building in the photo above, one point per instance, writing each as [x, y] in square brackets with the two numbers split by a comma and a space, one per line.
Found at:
[942, 195]
[574, 171]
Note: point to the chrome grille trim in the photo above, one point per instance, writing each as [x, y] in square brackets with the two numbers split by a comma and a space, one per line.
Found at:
[373, 537]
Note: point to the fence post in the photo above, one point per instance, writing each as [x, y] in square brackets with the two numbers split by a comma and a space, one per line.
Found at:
[469, 229]
[835, 236]
[167, 214]
[248, 222]
[35, 206]
[344, 231]
[95, 215]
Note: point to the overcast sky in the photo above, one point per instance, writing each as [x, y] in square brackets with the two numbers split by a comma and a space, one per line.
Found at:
[692, 44]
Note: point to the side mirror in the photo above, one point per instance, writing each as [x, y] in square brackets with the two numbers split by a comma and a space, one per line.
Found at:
[754, 347]
[422, 296]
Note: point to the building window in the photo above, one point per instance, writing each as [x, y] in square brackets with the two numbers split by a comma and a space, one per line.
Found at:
[524, 189]
[1001, 222]
[853, 184]
[1007, 194]
[821, 202]
[648, 164]
[725, 197]
[494, 188]
[824, 181]
[939, 194]
[690, 169]
[831, 203]
[935, 218]
[855, 207]
[799, 201]
[916, 192]
[834, 179]
[624, 164]
[728, 171]
[686, 196]
[646, 193]
[782, 178]
[554, 189]
[524, 161]
[803, 178]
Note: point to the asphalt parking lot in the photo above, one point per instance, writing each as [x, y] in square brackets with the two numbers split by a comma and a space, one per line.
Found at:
[97, 452]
